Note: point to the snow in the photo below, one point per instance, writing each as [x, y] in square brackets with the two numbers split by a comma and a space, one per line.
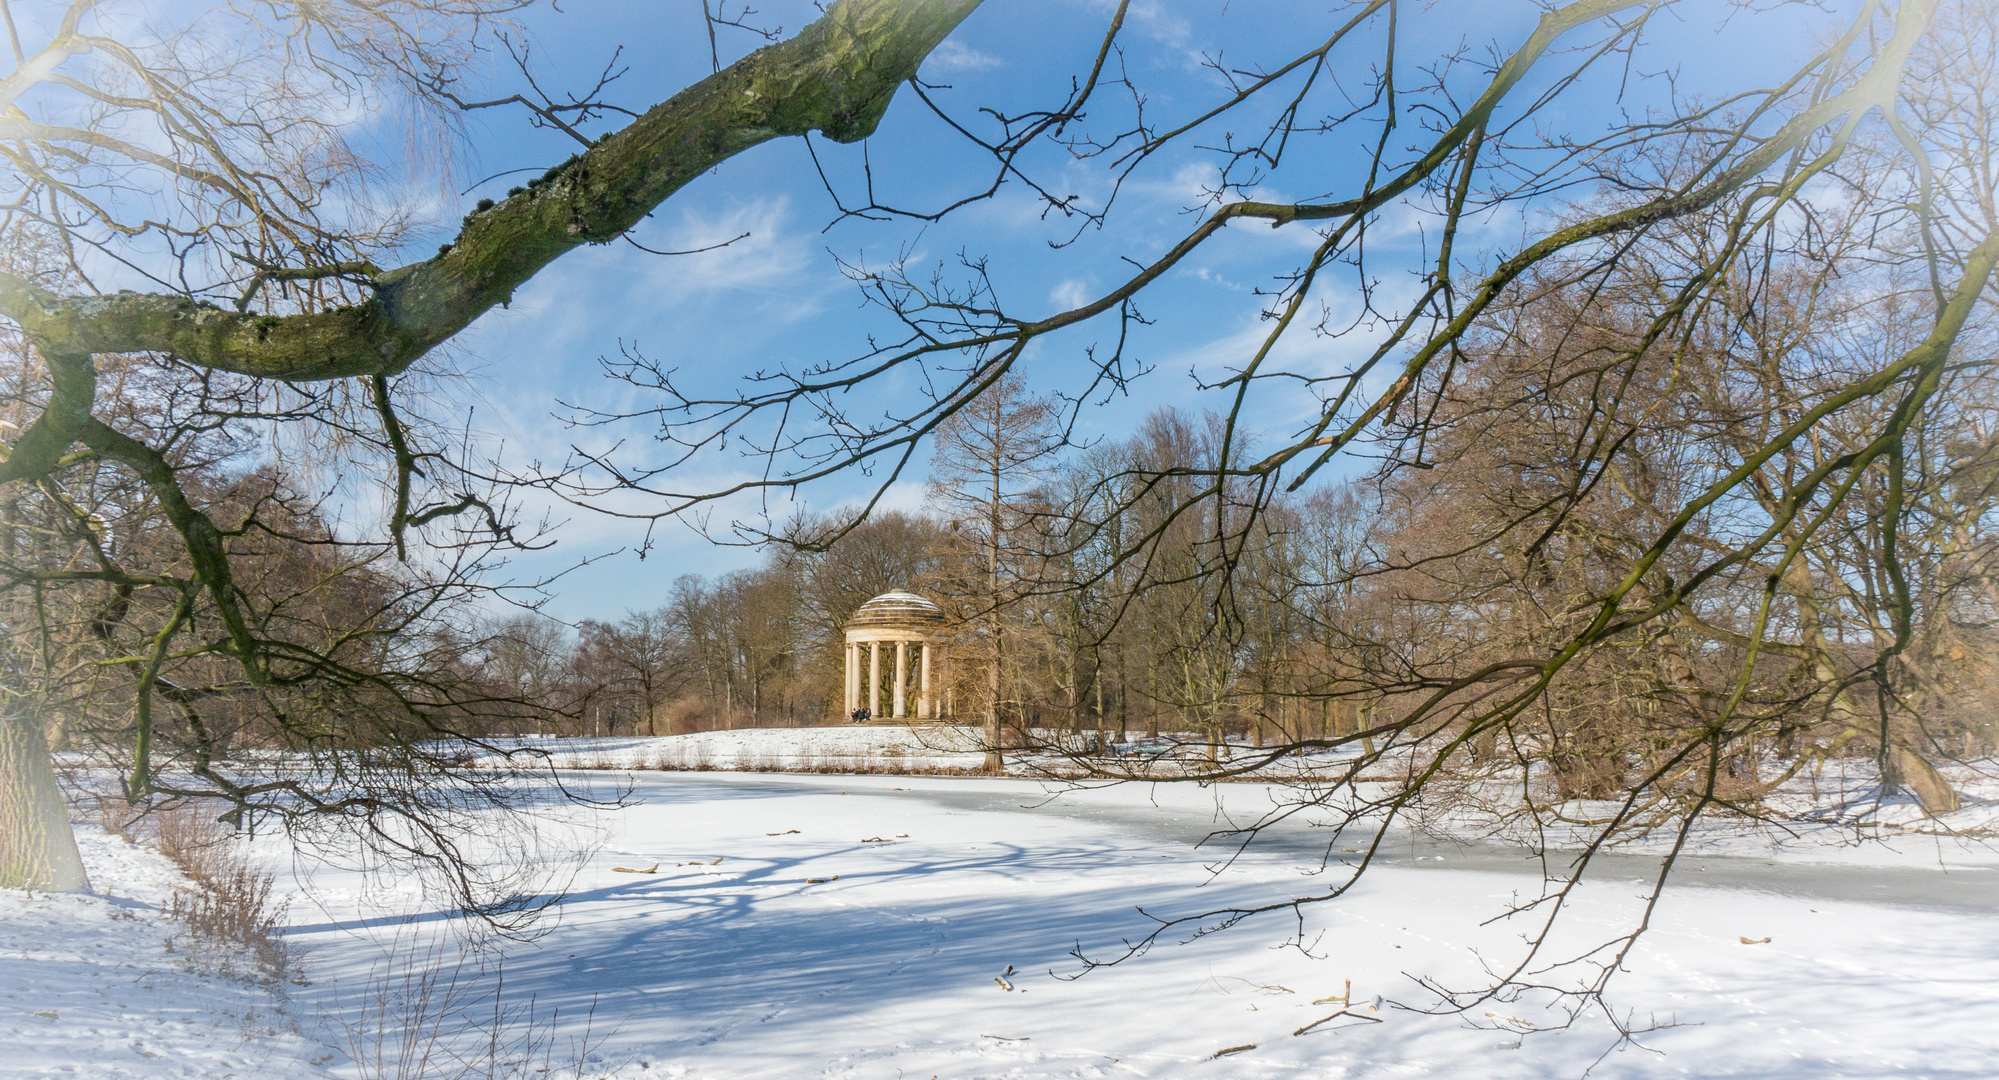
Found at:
[855, 748]
[807, 925]
[870, 942]
[90, 988]
[1834, 805]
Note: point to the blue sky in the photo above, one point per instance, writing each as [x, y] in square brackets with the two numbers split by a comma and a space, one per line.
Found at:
[777, 298]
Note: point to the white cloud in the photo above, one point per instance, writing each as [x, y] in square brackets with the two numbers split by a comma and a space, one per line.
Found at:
[955, 55]
[1300, 352]
[1156, 21]
[768, 254]
[596, 297]
[1214, 277]
[1071, 293]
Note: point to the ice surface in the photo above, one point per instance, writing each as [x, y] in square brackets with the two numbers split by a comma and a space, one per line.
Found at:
[905, 926]
[890, 966]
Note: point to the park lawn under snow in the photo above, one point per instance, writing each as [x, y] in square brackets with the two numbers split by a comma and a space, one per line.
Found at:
[850, 748]
[872, 941]
[1830, 805]
[864, 926]
[90, 988]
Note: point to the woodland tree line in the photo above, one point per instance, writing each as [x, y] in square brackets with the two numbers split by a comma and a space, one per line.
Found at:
[1276, 618]
[1106, 598]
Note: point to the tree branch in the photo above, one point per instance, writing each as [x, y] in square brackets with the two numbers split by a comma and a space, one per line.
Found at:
[836, 77]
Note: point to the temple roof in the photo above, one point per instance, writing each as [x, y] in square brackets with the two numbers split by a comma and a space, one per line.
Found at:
[897, 610]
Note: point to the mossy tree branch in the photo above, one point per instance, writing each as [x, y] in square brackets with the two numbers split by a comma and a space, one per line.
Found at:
[836, 77]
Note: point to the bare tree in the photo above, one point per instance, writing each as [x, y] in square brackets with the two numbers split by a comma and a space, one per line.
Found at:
[527, 655]
[1522, 406]
[270, 309]
[638, 660]
[984, 480]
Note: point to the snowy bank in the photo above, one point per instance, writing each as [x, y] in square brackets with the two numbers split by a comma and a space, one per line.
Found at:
[855, 748]
[92, 986]
[1835, 804]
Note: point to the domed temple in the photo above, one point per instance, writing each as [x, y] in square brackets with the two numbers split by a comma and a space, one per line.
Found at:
[915, 627]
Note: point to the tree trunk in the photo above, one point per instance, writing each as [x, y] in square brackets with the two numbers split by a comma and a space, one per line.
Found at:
[37, 846]
[995, 761]
[1911, 772]
[1902, 767]
[1104, 739]
[1485, 745]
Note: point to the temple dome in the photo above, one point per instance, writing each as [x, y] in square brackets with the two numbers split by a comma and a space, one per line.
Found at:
[897, 610]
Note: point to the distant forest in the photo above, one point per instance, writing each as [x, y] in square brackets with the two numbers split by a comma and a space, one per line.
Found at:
[1095, 589]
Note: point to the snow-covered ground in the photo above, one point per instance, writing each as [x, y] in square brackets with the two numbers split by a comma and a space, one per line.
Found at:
[1832, 803]
[855, 748]
[861, 926]
[89, 987]
[917, 926]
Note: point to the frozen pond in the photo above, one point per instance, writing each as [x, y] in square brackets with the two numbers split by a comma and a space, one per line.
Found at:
[1906, 871]
[876, 941]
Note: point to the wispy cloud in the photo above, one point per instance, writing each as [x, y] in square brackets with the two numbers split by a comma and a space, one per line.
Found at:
[1071, 293]
[761, 250]
[955, 55]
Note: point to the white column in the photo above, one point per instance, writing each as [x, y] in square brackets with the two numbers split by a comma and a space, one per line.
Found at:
[874, 679]
[901, 678]
[852, 684]
[925, 707]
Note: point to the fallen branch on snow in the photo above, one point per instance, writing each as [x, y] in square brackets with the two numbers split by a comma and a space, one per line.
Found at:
[1336, 1016]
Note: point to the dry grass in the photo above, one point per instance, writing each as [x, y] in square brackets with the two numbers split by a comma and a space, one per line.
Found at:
[696, 757]
[119, 817]
[1188, 757]
[434, 1011]
[677, 759]
[229, 916]
[226, 914]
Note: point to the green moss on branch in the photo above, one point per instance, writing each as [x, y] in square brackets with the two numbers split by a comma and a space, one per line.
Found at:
[836, 77]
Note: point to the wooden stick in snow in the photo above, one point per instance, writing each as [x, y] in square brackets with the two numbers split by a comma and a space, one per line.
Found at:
[1336, 1016]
